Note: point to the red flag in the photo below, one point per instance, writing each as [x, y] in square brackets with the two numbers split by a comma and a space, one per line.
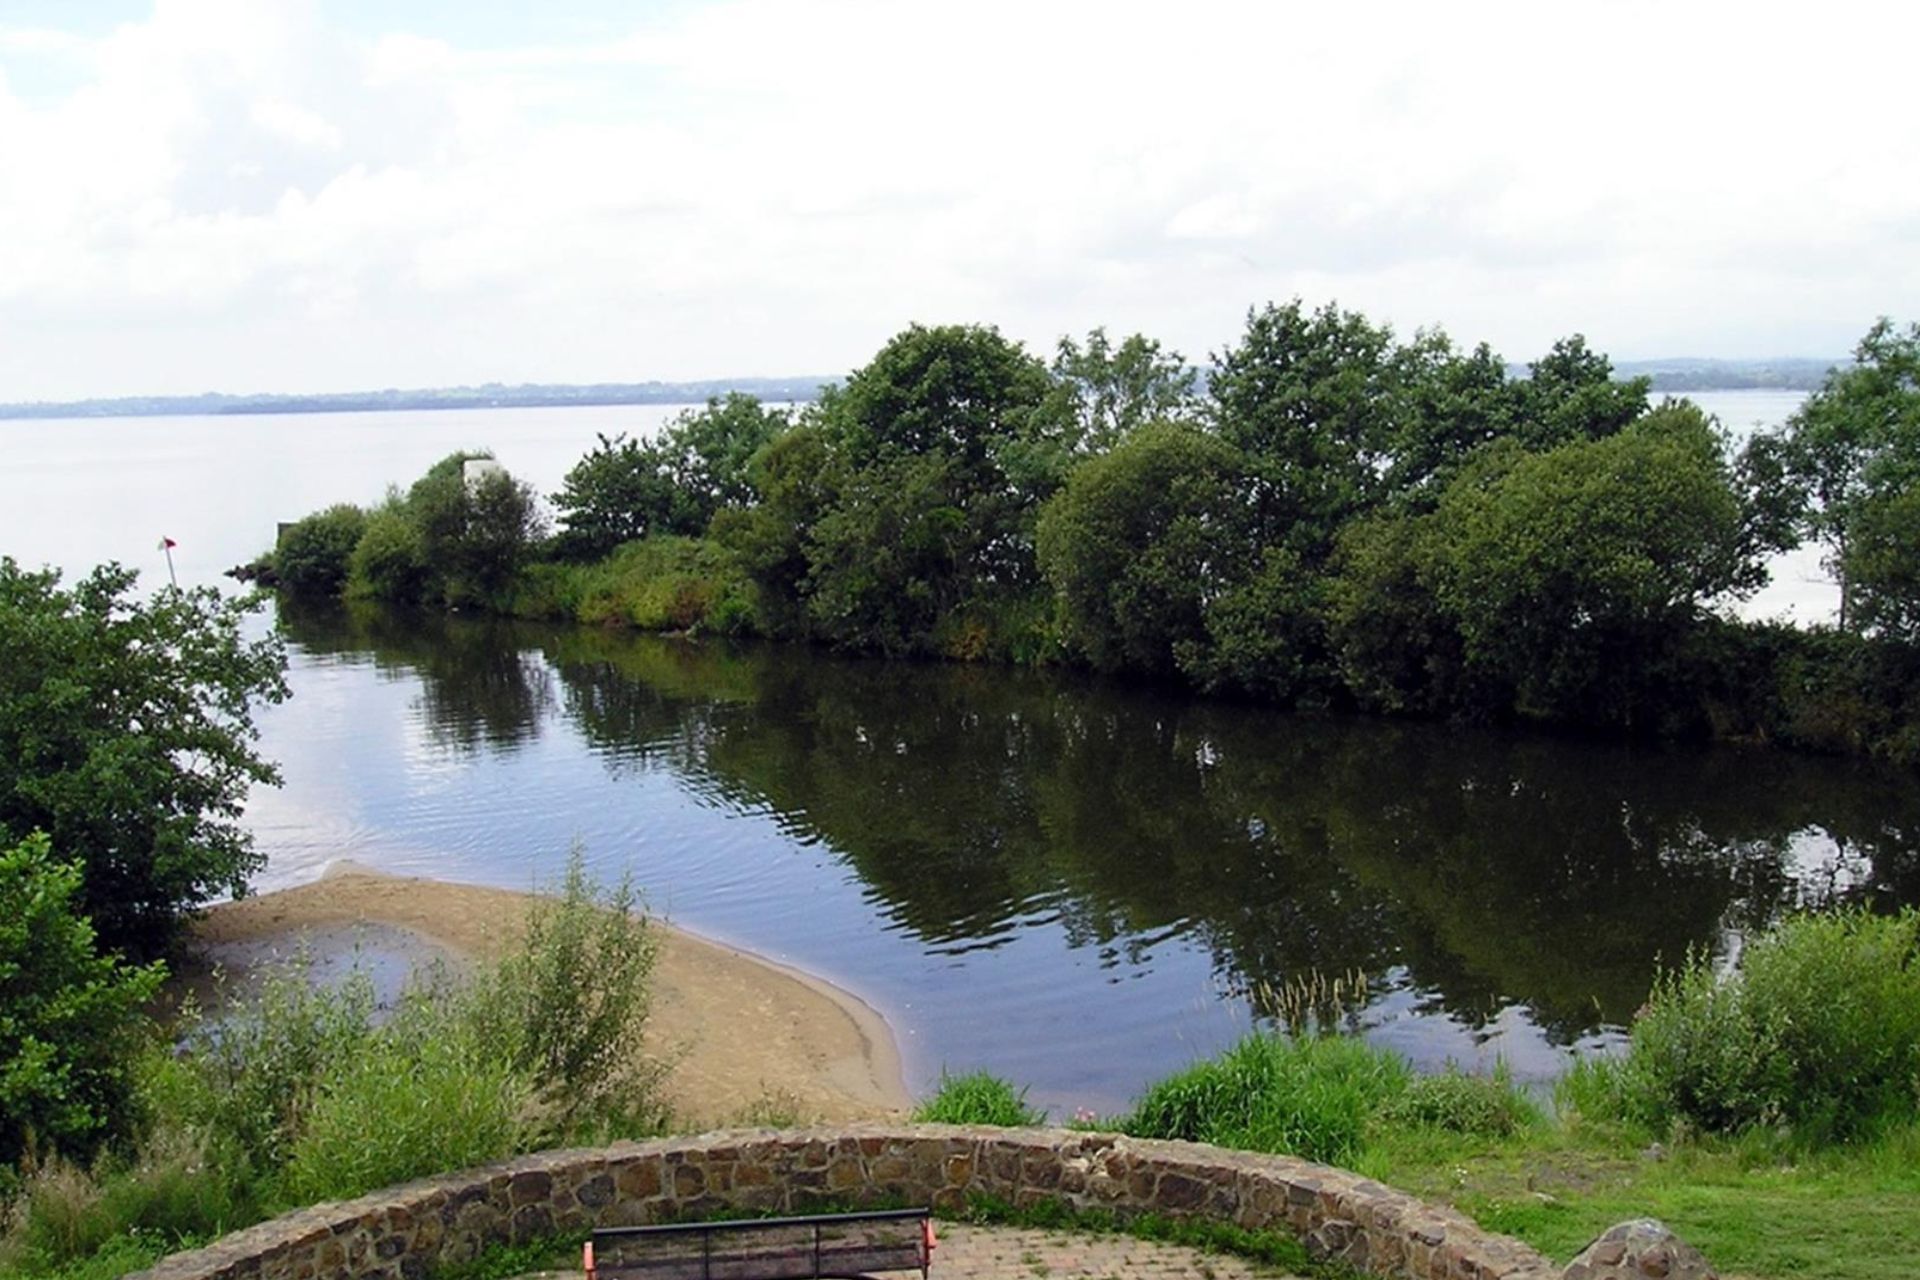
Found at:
[168, 544]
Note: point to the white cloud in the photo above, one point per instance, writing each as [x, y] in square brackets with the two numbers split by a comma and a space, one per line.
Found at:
[777, 185]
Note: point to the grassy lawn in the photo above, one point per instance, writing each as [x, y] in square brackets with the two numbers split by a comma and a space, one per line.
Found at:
[1755, 1209]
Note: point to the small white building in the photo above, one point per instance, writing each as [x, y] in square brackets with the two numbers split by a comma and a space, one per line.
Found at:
[477, 471]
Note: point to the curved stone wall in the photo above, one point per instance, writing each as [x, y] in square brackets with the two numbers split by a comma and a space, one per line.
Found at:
[399, 1233]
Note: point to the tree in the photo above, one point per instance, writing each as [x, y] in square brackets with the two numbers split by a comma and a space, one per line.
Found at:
[1140, 541]
[618, 492]
[1573, 395]
[312, 556]
[475, 535]
[71, 1019]
[1854, 450]
[675, 484]
[1109, 392]
[1573, 574]
[1310, 399]
[946, 442]
[125, 735]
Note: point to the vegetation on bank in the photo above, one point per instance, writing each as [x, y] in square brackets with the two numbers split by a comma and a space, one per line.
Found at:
[1344, 519]
[1770, 1114]
[304, 1093]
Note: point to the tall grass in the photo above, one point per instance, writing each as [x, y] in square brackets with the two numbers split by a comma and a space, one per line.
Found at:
[978, 1098]
[1311, 1096]
[1817, 1031]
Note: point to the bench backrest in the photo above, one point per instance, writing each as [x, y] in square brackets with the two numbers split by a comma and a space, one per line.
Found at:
[796, 1248]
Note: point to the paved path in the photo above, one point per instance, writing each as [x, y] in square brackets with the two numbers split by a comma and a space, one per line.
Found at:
[1020, 1253]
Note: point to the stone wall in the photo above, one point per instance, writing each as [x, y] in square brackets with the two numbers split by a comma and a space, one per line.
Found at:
[399, 1233]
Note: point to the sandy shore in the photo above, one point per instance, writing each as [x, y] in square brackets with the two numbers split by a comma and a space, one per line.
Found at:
[740, 1030]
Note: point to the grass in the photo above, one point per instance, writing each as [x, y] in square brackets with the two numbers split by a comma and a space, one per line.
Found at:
[1755, 1205]
[978, 1098]
[1310, 1096]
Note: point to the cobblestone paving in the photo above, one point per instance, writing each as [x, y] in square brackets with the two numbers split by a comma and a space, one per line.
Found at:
[1019, 1253]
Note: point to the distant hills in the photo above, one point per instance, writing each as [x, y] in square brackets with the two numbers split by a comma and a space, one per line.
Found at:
[492, 395]
[1677, 376]
[1790, 373]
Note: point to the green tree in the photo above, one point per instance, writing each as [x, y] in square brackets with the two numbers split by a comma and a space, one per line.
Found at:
[125, 735]
[312, 556]
[389, 562]
[1310, 398]
[1109, 392]
[618, 492]
[796, 478]
[1854, 450]
[474, 535]
[71, 1019]
[1140, 541]
[708, 453]
[1574, 574]
[947, 441]
[697, 467]
[1573, 395]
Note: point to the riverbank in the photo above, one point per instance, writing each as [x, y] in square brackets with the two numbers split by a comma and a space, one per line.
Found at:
[746, 1037]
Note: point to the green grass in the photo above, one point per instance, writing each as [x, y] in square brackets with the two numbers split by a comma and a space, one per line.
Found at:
[1753, 1205]
[978, 1098]
[1310, 1096]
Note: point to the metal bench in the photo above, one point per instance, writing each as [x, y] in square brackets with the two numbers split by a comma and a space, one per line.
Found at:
[845, 1246]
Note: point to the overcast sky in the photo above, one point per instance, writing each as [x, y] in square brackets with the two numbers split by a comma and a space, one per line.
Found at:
[246, 195]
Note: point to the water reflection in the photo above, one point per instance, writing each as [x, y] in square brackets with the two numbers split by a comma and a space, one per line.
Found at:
[1468, 872]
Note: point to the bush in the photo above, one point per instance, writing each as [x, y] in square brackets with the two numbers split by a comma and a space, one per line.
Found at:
[568, 1010]
[390, 560]
[251, 1076]
[1309, 1096]
[1817, 1030]
[311, 557]
[978, 1098]
[71, 1020]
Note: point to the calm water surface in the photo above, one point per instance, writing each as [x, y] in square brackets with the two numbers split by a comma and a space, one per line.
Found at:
[1073, 883]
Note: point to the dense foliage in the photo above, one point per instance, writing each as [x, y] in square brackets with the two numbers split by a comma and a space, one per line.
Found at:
[125, 737]
[1817, 1030]
[1341, 518]
[70, 1018]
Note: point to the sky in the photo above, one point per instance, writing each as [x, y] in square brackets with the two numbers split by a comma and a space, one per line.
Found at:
[250, 195]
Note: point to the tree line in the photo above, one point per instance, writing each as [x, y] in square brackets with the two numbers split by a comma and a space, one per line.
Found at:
[1342, 519]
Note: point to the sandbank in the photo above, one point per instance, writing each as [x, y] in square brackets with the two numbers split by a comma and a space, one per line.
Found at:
[740, 1031]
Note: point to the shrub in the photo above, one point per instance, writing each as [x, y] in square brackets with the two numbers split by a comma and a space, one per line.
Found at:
[390, 560]
[171, 1194]
[978, 1098]
[71, 1020]
[251, 1076]
[1309, 1096]
[568, 1009]
[1818, 1030]
[311, 557]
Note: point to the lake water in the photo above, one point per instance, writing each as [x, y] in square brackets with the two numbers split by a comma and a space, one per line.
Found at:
[1070, 882]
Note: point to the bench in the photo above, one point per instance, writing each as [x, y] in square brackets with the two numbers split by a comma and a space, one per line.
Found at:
[846, 1246]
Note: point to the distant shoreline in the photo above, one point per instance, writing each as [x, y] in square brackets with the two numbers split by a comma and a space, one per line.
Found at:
[1669, 377]
[528, 396]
